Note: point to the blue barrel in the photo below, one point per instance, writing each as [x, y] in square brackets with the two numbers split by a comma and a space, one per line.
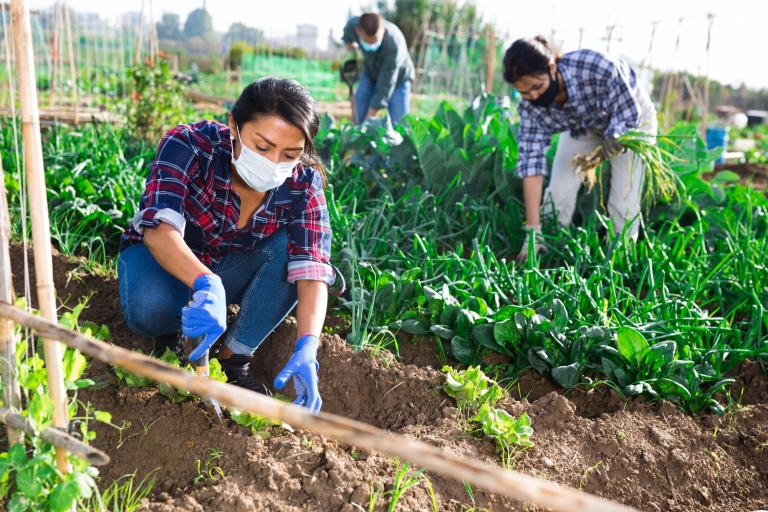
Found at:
[717, 137]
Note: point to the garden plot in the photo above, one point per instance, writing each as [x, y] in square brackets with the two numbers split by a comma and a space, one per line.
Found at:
[651, 456]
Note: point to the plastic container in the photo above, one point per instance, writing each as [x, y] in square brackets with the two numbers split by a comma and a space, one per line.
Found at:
[717, 137]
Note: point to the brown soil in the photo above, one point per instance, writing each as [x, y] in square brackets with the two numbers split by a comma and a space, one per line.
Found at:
[755, 175]
[650, 456]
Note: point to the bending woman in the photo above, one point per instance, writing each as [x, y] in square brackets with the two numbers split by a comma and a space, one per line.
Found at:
[591, 99]
[235, 214]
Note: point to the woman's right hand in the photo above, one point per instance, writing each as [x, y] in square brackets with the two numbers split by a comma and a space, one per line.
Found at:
[206, 316]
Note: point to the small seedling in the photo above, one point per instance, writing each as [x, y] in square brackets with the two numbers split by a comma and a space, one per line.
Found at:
[208, 470]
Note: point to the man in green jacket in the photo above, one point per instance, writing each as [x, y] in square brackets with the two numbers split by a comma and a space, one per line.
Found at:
[386, 80]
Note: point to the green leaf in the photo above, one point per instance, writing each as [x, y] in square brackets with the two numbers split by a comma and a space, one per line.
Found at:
[567, 376]
[505, 332]
[413, 326]
[103, 416]
[63, 496]
[631, 344]
[17, 455]
[442, 332]
[634, 389]
[483, 334]
[463, 350]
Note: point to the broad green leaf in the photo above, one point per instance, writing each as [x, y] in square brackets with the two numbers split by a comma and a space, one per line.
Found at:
[567, 376]
[506, 332]
[63, 496]
[463, 350]
[631, 344]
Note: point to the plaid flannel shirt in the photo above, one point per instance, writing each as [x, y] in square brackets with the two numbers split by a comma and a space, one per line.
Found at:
[190, 188]
[602, 93]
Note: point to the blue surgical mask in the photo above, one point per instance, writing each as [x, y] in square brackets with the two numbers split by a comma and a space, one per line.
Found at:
[368, 47]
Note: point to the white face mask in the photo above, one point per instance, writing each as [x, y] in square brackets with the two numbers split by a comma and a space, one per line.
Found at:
[258, 172]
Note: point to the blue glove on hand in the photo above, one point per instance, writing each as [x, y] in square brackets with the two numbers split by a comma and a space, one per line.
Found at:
[206, 317]
[303, 366]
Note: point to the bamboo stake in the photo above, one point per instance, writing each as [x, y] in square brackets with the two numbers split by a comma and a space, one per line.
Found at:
[71, 57]
[492, 478]
[490, 58]
[11, 390]
[41, 235]
[55, 437]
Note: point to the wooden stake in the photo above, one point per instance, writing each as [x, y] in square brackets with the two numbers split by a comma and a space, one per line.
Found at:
[490, 58]
[490, 477]
[72, 67]
[55, 437]
[11, 390]
[38, 204]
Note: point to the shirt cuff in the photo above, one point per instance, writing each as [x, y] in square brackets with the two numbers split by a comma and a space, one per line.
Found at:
[532, 169]
[152, 217]
[310, 271]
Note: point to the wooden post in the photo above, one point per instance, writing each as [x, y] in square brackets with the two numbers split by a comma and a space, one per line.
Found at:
[53, 68]
[139, 36]
[72, 67]
[38, 205]
[11, 390]
[55, 437]
[490, 57]
[488, 476]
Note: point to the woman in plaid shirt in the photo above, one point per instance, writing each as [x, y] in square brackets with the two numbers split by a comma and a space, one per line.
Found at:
[590, 99]
[235, 214]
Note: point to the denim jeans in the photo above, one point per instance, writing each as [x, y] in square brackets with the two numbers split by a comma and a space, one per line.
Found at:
[151, 298]
[398, 104]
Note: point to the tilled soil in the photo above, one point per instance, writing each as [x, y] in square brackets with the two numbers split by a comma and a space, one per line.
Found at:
[650, 456]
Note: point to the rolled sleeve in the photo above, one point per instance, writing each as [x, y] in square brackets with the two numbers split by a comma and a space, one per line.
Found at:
[309, 237]
[167, 184]
[533, 141]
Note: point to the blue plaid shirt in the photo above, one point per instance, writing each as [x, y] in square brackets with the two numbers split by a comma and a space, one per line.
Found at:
[601, 98]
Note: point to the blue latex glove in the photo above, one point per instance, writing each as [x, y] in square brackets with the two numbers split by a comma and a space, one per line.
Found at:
[303, 366]
[206, 317]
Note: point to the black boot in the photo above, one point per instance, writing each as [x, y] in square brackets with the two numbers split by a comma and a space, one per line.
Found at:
[237, 367]
[160, 343]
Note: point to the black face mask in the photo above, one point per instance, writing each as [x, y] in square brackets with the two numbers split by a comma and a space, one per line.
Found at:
[546, 98]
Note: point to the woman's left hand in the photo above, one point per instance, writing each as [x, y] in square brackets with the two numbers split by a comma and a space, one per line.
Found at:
[303, 366]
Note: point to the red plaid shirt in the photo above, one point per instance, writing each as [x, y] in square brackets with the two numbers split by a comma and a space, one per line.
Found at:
[190, 187]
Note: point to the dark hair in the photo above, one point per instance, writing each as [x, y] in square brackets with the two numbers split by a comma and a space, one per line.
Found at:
[528, 56]
[287, 99]
[369, 23]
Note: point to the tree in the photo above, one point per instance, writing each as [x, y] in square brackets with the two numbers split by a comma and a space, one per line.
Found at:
[408, 15]
[168, 27]
[244, 33]
[199, 24]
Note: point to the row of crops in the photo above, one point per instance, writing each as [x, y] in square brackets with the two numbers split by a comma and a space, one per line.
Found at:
[427, 219]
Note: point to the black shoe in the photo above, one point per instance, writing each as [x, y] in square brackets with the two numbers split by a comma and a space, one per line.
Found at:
[237, 367]
[164, 341]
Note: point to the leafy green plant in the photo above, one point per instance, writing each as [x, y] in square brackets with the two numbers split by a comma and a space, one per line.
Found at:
[509, 433]
[476, 393]
[260, 426]
[471, 388]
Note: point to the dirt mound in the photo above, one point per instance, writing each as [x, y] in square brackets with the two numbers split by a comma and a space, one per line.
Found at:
[649, 456]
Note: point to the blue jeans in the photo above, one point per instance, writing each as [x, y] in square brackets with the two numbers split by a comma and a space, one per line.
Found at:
[151, 298]
[398, 104]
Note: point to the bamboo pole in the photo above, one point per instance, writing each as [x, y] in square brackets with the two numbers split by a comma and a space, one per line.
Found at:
[11, 390]
[490, 58]
[55, 437]
[490, 477]
[72, 67]
[38, 204]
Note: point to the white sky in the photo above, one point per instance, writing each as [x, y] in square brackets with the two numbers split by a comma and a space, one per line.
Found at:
[736, 52]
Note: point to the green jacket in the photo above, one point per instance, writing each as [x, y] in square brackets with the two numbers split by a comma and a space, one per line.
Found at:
[387, 67]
